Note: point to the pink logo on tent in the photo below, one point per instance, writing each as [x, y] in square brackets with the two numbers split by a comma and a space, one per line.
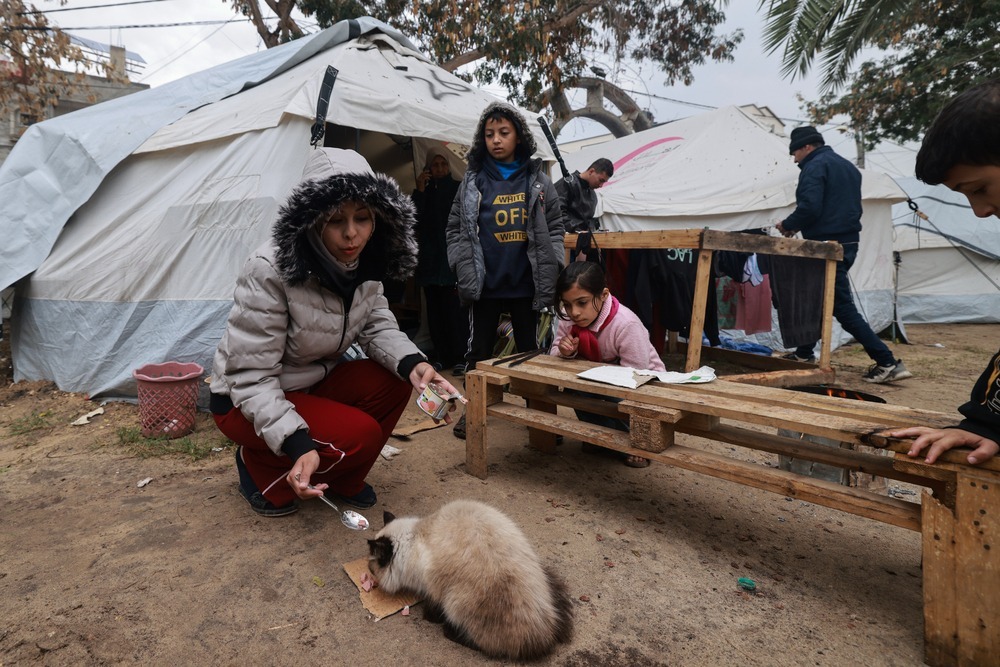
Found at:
[639, 151]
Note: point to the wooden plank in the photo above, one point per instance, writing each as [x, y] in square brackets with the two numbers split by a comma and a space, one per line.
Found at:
[770, 245]
[953, 459]
[977, 567]
[938, 564]
[750, 360]
[493, 373]
[703, 422]
[576, 401]
[712, 240]
[703, 278]
[820, 492]
[475, 424]
[829, 283]
[848, 459]
[786, 378]
[653, 239]
[665, 415]
[565, 426]
[888, 510]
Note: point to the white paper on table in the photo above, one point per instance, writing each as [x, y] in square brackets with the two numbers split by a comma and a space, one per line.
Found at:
[703, 374]
[624, 376]
[620, 376]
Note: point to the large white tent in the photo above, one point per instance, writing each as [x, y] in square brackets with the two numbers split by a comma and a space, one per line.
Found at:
[949, 262]
[134, 216]
[725, 171]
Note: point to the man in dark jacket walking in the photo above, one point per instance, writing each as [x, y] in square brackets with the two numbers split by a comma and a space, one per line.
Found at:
[828, 208]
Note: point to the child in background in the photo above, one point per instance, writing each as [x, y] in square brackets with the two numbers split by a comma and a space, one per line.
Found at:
[595, 326]
[505, 235]
[962, 150]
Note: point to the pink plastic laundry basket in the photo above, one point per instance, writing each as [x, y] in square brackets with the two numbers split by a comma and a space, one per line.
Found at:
[168, 395]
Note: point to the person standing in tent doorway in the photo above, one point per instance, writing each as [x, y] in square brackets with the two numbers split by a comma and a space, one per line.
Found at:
[447, 319]
[505, 235]
[579, 197]
[962, 150]
[828, 208]
[308, 421]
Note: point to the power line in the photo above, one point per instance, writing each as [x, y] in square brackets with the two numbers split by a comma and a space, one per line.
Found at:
[669, 99]
[73, 9]
[138, 25]
[183, 50]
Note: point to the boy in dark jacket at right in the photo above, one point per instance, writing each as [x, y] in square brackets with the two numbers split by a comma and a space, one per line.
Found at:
[962, 150]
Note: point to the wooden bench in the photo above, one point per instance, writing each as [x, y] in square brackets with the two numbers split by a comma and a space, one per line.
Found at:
[959, 517]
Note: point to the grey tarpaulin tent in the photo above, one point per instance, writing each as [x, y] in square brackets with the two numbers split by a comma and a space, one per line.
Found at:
[949, 269]
[131, 218]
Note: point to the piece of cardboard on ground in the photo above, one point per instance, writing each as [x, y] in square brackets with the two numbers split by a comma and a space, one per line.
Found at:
[379, 603]
[407, 431]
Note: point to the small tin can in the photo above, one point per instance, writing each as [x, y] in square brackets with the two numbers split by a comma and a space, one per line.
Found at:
[434, 404]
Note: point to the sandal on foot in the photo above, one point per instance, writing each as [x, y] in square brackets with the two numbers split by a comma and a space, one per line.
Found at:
[362, 500]
[633, 461]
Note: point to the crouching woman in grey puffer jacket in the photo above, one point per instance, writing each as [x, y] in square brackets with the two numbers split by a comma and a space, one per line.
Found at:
[281, 388]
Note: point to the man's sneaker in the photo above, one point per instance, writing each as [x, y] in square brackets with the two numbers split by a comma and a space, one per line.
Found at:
[459, 428]
[791, 356]
[459, 370]
[882, 374]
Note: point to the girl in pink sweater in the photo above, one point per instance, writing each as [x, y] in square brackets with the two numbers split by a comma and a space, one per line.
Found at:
[593, 325]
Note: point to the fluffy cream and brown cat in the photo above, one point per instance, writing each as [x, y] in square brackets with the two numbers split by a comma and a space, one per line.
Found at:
[479, 576]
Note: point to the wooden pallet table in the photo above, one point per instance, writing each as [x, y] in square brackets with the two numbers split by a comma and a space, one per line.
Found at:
[958, 517]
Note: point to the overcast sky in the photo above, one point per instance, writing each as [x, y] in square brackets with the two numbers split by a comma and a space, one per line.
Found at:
[173, 52]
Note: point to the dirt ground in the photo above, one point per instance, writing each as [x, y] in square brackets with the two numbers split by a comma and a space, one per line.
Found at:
[97, 570]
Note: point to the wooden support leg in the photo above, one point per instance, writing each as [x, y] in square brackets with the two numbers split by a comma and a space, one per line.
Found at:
[538, 439]
[672, 342]
[962, 573]
[651, 435]
[703, 279]
[541, 440]
[650, 429]
[826, 326]
[480, 394]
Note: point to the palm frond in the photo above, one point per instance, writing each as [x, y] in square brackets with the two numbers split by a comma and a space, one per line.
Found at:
[836, 30]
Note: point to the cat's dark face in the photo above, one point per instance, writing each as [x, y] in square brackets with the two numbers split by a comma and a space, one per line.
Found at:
[379, 554]
[380, 550]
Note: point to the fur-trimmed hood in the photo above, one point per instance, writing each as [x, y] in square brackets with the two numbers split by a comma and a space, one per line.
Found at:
[331, 177]
[525, 149]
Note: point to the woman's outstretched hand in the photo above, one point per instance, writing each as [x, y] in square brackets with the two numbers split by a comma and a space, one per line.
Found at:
[424, 374]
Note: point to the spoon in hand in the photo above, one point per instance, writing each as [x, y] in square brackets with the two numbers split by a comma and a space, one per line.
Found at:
[349, 518]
